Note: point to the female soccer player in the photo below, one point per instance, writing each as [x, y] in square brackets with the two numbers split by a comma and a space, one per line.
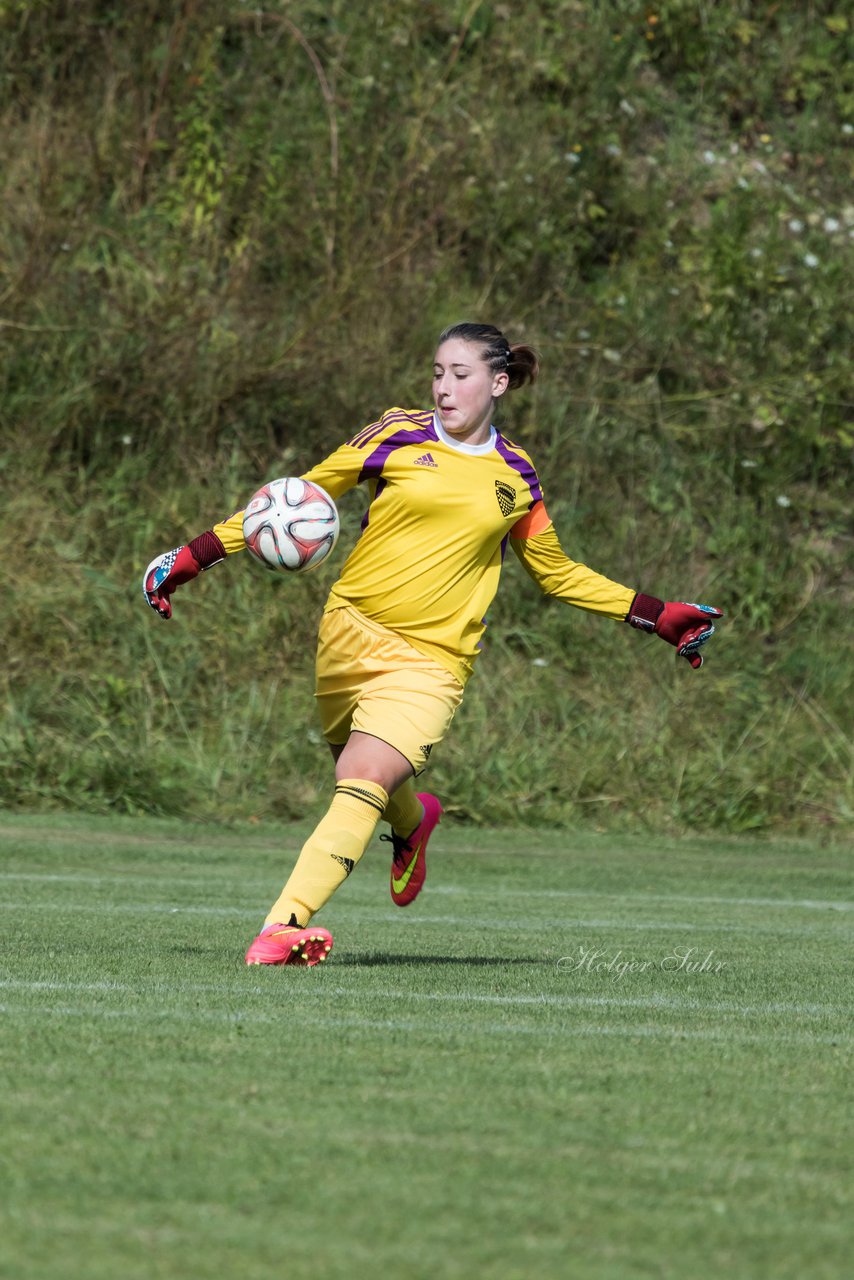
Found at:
[403, 623]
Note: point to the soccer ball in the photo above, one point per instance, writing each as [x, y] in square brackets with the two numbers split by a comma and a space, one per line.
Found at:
[290, 524]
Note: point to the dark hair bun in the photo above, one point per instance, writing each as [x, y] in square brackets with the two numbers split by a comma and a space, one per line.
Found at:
[523, 366]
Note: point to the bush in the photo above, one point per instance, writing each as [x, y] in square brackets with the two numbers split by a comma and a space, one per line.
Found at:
[232, 237]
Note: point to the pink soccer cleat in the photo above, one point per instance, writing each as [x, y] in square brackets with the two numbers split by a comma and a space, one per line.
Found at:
[290, 944]
[408, 861]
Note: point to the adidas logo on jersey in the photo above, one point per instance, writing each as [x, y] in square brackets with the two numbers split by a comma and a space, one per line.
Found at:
[506, 496]
[426, 460]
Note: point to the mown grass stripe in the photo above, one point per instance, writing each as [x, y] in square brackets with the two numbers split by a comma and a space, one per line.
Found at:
[677, 1004]
[381, 916]
[418, 1024]
[204, 877]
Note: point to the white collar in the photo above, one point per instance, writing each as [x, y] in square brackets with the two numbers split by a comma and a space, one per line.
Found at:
[460, 447]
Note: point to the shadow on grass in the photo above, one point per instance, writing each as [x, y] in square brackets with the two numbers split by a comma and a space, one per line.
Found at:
[384, 958]
[371, 960]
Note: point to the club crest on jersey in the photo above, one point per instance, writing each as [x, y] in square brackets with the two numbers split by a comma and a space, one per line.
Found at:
[506, 496]
[426, 460]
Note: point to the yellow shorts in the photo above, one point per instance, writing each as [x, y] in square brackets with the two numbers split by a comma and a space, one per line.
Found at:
[370, 680]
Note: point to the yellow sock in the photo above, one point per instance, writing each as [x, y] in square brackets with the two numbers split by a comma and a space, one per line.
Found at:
[331, 851]
[404, 810]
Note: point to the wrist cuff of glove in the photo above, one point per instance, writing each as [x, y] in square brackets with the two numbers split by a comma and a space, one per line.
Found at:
[206, 550]
[644, 612]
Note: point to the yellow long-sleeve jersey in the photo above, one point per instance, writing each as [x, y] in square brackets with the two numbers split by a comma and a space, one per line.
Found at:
[428, 560]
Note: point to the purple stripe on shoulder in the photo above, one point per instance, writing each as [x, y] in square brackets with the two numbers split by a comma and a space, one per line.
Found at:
[362, 437]
[374, 463]
[389, 419]
[522, 466]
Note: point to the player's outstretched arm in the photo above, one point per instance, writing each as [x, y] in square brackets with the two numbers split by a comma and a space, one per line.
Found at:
[686, 626]
[178, 566]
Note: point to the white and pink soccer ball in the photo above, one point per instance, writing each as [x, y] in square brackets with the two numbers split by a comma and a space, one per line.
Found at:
[290, 524]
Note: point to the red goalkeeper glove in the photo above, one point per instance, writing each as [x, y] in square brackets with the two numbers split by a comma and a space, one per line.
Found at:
[687, 626]
[174, 568]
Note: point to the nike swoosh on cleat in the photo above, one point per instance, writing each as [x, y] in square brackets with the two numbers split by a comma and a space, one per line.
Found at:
[400, 885]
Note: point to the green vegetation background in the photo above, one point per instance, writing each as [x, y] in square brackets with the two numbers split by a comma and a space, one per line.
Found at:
[230, 236]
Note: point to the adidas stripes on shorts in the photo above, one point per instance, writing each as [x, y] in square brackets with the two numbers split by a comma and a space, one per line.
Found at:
[370, 680]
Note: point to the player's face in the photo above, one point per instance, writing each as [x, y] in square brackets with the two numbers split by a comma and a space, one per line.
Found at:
[464, 390]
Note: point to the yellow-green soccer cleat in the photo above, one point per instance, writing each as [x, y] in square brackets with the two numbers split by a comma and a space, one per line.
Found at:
[290, 944]
[409, 862]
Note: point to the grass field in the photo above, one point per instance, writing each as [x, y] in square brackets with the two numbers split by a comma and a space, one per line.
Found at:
[521, 1075]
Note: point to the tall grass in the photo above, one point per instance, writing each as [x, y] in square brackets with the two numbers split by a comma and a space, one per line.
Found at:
[229, 238]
